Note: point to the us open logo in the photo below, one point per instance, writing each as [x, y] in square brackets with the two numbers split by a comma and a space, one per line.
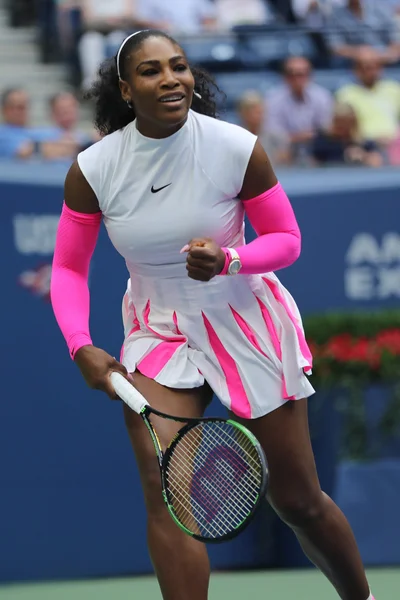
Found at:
[35, 235]
[37, 281]
[372, 269]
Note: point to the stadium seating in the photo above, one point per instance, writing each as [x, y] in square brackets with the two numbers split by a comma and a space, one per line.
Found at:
[263, 81]
[271, 49]
[214, 52]
[234, 86]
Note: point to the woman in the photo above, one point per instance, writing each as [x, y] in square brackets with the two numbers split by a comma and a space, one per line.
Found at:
[166, 175]
[252, 110]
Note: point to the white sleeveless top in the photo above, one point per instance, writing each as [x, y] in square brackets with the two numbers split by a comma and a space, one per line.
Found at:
[241, 334]
[202, 167]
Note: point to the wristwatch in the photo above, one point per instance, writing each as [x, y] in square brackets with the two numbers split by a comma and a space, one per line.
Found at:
[235, 263]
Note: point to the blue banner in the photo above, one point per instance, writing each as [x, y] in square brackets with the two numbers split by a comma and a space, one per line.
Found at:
[71, 503]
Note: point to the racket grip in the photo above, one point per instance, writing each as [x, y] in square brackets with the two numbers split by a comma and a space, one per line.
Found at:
[128, 393]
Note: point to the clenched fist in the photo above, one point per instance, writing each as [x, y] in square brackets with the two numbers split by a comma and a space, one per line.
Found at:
[205, 259]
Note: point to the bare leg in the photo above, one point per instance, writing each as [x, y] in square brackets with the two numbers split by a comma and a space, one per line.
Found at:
[294, 492]
[180, 562]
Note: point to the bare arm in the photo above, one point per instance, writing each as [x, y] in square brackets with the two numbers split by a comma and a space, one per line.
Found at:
[260, 175]
[25, 150]
[78, 194]
[391, 54]
[346, 51]
[59, 149]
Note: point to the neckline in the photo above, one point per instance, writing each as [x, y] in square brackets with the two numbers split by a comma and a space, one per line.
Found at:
[159, 142]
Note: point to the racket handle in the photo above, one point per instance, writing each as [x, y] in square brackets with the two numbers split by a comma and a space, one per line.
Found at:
[128, 393]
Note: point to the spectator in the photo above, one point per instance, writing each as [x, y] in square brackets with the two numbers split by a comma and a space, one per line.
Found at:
[15, 136]
[251, 110]
[284, 10]
[64, 140]
[68, 30]
[314, 13]
[231, 13]
[105, 23]
[66, 11]
[342, 143]
[179, 16]
[375, 101]
[300, 107]
[364, 23]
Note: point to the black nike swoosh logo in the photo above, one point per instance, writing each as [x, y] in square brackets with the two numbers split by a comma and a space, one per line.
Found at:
[154, 190]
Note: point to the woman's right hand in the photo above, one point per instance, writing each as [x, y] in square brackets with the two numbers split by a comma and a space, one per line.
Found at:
[96, 367]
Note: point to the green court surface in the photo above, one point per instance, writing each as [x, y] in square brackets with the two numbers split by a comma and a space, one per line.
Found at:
[271, 585]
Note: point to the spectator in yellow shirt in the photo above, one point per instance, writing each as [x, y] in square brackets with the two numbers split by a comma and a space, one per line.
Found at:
[375, 101]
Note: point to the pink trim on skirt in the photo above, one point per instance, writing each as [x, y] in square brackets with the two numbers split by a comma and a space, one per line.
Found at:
[152, 364]
[300, 335]
[240, 404]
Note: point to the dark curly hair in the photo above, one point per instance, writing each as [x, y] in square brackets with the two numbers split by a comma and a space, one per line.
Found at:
[113, 113]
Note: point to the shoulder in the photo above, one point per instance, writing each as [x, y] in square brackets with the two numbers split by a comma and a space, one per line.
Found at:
[223, 150]
[348, 91]
[100, 159]
[318, 91]
[389, 85]
[278, 94]
[219, 132]
[104, 147]
[15, 132]
[46, 134]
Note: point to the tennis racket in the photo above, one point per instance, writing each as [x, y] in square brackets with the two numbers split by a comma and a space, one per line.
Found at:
[213, 473]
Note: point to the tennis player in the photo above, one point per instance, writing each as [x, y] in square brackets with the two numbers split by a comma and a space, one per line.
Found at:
[203, 310]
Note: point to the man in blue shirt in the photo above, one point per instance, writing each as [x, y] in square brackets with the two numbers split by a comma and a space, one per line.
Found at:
[63, 140]
[15, 136]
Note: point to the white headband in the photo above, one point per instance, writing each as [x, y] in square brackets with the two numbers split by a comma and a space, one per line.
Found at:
[121, 48]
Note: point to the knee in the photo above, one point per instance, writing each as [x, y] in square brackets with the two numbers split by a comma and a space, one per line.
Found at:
[298, 509]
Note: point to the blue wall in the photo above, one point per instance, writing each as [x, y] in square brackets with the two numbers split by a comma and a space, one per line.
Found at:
[70, 500]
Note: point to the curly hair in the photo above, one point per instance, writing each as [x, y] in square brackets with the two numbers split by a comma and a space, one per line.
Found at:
[113, 113]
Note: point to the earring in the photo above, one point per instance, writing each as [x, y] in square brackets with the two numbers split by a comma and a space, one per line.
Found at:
[197, 95]
[129, 103]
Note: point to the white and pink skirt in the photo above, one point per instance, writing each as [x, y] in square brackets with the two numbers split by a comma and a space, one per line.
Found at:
[242, 334]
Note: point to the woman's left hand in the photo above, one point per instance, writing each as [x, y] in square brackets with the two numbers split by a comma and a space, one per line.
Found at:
[205, 259]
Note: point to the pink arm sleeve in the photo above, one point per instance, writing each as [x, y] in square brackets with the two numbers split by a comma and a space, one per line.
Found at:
[278, 243]
[75, 243]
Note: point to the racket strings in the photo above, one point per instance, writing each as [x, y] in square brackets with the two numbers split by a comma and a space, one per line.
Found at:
[214, 502]
[214, 476]
[222, 466]
[184, 442]
[217, 488]
[239, 514]
[189, 515]
[230, 440]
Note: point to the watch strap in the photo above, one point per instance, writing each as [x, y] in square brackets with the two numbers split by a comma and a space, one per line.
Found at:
[228, 259]
[231, 255]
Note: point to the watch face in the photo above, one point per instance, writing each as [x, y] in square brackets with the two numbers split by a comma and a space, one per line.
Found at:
[235, 266]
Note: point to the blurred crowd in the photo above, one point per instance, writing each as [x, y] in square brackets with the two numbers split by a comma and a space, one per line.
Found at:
[298, 121]
[60, 140]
